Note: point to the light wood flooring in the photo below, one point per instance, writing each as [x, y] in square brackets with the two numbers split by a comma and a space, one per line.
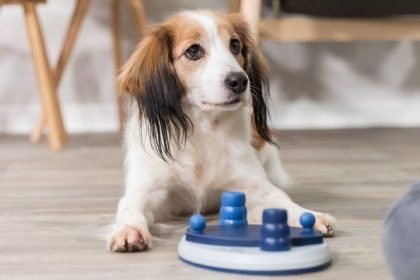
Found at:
[54, 204]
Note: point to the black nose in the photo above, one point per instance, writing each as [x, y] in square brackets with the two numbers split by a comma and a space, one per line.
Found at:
[236, 81]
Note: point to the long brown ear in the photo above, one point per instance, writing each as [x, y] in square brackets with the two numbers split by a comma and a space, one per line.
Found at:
[257, 71]
[150, 78]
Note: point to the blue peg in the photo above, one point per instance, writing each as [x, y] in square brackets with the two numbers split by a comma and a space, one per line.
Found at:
[233, 211]
[197, 223]
[275, 232]
[307, 220]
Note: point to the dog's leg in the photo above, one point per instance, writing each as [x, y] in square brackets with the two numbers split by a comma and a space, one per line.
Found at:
[269, 156]
[142, 204]
[263, 194]
[130, 231]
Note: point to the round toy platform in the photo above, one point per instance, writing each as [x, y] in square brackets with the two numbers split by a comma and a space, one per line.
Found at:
[248, 236]
[251, 260]
[272, 248]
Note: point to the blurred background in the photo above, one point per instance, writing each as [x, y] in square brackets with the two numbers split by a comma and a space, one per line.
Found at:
[314, 85]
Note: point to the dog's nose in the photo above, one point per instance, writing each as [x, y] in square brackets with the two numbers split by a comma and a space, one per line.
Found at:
[236, 81]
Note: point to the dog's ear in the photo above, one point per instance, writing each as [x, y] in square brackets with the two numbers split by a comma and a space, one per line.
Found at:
[256, 68]
[150, 78]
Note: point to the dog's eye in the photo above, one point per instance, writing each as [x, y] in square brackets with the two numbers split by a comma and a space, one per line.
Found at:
[235, 46]
[194, 52]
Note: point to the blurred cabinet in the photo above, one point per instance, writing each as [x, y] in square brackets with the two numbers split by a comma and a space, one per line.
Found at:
[327, 20]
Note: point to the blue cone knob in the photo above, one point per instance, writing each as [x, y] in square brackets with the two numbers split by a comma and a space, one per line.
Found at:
[233, 211]
[197, 223]
[275, 232]
[275, 215]
[307, 220]
[236, 199]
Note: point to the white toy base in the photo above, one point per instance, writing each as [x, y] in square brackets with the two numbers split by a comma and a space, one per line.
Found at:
[251, 260]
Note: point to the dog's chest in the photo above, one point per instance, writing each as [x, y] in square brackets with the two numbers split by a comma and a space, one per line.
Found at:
[207, 161]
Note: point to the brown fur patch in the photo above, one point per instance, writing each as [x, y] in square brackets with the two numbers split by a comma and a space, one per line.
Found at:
[249, 49]
[227, 32]
[163, 46]
[250, 52]
[199, 171]
[186, 32]
[257, 142]
[152, 53]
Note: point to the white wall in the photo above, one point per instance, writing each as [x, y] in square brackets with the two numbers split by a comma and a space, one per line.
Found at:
[314, 85]
[345, 85]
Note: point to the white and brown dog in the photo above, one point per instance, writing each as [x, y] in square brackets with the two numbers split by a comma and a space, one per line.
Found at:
[198, 127]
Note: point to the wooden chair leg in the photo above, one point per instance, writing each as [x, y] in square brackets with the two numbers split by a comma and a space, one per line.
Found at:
[251, 10]
[70, 38]
[139, 15]
[116, 39]
[48, 94]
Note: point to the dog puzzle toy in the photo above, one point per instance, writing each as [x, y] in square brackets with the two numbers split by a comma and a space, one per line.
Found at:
[272, 248]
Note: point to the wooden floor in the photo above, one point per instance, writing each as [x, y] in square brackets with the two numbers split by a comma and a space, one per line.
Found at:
[53, 205]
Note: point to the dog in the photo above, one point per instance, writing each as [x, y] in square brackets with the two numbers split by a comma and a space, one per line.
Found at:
[197, 127]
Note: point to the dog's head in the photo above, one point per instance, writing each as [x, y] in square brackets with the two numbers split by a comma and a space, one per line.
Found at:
[199, 59]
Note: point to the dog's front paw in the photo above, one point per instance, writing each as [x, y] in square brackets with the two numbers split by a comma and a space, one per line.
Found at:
[325, 223]
[129, 238]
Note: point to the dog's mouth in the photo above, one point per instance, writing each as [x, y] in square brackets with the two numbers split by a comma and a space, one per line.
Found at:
[224, 104]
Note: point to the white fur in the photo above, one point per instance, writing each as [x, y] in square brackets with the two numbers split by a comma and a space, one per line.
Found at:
[217, 157]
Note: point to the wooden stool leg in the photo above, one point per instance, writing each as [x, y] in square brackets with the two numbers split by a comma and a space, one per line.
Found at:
[251, 10]
[116, 38]
[72, 32]
[139, 15]
[70, 38]
[39, 127]
[234, 6]
[45, 80]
